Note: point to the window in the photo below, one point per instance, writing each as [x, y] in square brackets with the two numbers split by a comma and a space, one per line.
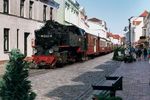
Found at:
[51, 13]
[17, 38]
[6, 6]
[30, 9]
[22, 8]
[44, 13]
[6, 39]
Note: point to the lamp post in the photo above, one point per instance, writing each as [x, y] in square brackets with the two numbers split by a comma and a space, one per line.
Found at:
[130, 33]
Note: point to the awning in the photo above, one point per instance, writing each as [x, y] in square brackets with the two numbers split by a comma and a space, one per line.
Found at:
[51, 3]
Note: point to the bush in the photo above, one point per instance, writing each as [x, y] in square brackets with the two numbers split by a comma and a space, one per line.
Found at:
[15, 84]
[120, 58]
[116, 56]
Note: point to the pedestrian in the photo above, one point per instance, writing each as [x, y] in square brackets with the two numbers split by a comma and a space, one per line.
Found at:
[136, 52]
[145, 54]
[139, 54]
[133, 52]
[149, 54]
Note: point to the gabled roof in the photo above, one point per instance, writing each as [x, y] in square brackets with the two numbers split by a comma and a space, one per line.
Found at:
[136, 22]
[95, 20]
[109, 34]
[144, 14]
[116, 36]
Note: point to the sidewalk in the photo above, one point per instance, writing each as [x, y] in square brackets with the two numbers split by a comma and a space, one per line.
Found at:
[136, 80]
[2, 68]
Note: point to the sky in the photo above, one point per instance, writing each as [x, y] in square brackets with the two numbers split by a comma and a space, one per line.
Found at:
[115, 12]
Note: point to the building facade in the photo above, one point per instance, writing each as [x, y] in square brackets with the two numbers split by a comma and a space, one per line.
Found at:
[137, 30]
[68, 12]
[83, 19]
[61, 11]
[146, 27]
[71, 12]
[19, 19]
[97, 27]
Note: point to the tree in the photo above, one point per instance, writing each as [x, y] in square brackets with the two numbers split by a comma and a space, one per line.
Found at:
[15, 84]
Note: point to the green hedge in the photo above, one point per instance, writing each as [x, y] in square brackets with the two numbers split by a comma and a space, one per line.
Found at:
[129, 59]
[116, 56]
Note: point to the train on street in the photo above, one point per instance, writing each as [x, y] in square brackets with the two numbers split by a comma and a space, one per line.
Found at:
[56, 44]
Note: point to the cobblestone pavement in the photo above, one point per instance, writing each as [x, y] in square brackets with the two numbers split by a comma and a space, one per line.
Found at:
[136, 80]
[73, 81]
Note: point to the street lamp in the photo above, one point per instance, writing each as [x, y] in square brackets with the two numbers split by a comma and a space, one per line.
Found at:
[128, 28]
[130, 33]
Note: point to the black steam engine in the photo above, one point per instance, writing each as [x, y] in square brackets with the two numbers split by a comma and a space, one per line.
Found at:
[56, 44]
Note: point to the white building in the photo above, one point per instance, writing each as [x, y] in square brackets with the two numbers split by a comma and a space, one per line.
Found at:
[83, 19]
[146, 27]
[136, 29]
[116, 39]
[97, 27]
[71, 12]
[18, 21]
[68, 12]
[137, 24]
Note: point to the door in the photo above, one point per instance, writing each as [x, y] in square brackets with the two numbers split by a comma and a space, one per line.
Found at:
[95, 44]
[26, 43]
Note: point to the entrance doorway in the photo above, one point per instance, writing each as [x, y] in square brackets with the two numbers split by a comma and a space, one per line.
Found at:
[26, 34]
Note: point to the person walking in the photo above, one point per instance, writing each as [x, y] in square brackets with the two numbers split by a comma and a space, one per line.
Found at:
[139, 54]
[145, 54]
[149, 54]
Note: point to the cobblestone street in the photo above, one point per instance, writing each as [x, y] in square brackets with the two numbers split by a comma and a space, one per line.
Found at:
[73, 82]
[136, 80]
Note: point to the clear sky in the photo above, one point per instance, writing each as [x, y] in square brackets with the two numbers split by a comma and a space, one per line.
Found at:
[115, 12]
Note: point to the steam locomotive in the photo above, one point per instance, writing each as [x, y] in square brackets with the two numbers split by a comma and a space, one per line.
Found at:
[57, 44]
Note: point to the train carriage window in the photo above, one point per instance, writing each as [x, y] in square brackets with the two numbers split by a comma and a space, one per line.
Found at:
[82, 32]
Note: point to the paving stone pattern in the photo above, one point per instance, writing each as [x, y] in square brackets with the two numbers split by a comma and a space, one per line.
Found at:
[136, 80]
[73, 82]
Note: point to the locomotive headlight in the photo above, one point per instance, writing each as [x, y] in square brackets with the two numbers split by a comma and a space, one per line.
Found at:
[51, 51]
